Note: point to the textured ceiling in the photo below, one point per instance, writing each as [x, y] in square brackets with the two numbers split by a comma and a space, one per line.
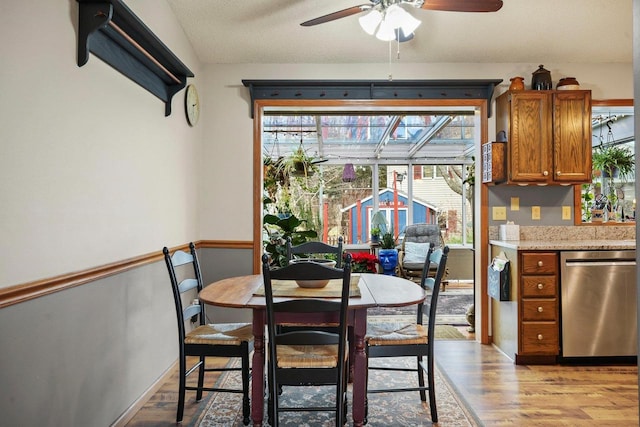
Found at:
[544, 31]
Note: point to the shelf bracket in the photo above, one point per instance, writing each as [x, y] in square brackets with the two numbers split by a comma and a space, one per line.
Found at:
[113, 33]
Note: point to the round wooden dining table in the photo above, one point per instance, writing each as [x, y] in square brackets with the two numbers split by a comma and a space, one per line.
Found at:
[375, 290]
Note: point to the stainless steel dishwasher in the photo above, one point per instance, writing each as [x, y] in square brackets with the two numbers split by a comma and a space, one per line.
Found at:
[598, 297]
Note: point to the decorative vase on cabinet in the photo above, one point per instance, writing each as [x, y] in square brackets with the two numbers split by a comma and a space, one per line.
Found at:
[517, 83]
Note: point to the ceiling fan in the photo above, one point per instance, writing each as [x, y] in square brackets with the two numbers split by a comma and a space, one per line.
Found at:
[384, 5]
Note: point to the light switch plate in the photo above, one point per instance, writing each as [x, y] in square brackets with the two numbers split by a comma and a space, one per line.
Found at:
[566, 212]
[499, 213]
[515, 203]
[535, 212]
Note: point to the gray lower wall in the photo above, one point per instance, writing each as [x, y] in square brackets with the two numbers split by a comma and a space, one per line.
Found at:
[81, 357]
[220, 263]
[460, 263]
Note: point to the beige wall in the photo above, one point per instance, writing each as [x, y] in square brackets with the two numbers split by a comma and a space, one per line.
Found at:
[228, 133]
[91, 172]
[90, 163]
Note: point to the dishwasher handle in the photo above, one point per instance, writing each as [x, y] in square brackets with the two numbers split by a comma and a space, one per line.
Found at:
[599, 263]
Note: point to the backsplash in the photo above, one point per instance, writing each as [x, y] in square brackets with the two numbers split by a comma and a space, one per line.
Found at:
[607, 232]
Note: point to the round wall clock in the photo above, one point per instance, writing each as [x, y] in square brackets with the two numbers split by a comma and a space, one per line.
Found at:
[192, 105]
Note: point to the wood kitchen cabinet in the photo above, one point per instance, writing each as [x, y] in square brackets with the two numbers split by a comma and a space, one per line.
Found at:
[527, 327]
[548, 135]
[538, 308]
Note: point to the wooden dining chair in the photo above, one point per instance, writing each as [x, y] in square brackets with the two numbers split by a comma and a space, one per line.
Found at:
[307, 249]
[307, 356]
[201, 339]
[397, 339]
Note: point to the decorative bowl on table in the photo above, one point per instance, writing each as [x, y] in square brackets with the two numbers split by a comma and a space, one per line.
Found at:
[313, 283]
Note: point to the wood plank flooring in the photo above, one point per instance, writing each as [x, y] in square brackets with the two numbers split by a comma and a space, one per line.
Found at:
[504, 394]
[500, 393]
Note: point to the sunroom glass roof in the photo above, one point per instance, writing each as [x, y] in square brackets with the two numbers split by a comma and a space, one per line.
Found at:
[339, 138]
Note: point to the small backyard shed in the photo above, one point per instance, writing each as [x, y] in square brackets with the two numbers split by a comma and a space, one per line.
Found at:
[358, 215]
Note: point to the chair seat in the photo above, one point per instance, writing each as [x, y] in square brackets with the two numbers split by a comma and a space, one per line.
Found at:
[220, 333]
[413, 265]
[307, 356]
[396, 333]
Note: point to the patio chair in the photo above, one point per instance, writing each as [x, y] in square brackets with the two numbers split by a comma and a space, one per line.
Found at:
[232, 340]
[396, 339]
[307, 357]
[413, 250]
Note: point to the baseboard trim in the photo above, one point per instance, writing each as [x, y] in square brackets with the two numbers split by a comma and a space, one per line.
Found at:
[144, 398]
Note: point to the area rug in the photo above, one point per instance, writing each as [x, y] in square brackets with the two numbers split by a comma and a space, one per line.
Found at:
[387, 409]
[452, 308]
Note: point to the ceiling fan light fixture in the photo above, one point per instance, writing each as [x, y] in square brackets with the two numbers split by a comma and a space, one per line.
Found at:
[409, 24]
[394, 15]
[370, 21]
[385, 32]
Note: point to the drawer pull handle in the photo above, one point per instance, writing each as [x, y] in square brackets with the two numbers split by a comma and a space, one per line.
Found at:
[540, 263]
[540, 286]
[545, 173]
[540, 337]
[540, 309]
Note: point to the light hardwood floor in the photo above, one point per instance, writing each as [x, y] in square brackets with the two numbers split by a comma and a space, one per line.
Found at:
[500, 393]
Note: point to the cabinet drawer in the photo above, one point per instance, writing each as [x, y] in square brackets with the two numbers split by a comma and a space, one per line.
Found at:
[539, 263]
[540, 337]
[539, 309]
[539, 286]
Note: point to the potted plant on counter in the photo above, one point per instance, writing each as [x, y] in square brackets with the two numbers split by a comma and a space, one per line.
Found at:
[388, 254]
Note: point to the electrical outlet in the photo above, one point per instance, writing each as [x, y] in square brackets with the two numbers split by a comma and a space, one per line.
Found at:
[499, 213]
[535, 212]
[515, 203]
[566, 212]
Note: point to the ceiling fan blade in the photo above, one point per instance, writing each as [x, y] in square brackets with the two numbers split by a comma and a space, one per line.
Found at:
[337, 15]
[463, 5]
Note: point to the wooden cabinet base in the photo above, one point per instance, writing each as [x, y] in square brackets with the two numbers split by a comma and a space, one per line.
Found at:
[536, 360]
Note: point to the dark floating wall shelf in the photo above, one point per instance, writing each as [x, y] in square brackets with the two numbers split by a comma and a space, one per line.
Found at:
[112, 32]
[371, 89]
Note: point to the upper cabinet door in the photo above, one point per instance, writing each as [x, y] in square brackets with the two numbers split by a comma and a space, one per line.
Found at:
[549, 135]
[572, 136]
[528, 120]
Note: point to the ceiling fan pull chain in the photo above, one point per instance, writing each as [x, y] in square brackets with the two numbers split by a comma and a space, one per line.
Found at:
[390, 74]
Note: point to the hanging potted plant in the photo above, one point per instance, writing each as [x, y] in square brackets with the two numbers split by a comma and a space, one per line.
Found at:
[613, 161]
[299, 163]
[388, 254]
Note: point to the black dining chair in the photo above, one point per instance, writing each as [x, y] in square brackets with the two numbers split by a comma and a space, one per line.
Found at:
[307, 356]
[201, 339]
[397, 339]
[308, 249]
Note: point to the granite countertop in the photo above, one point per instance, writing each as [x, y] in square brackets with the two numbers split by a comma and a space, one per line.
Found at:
[570, 245]
[568, 238]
